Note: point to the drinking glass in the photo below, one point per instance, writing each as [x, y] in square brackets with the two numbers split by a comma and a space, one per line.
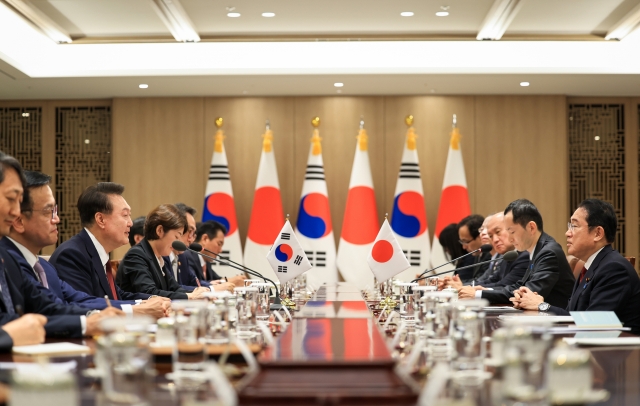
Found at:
[190, 350]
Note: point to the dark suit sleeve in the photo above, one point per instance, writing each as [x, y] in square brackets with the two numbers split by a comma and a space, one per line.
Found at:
[6, 343]
[558, 311]
[516, 273]
[74, 269]
[611, 285]
[545, 274]
[131, 295]
[63, 326]
[135, 268]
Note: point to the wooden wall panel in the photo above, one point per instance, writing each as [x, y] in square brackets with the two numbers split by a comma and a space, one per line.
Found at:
[340, 118]
[244, 124]
[433, 119]
[521, 152]
[158, 145]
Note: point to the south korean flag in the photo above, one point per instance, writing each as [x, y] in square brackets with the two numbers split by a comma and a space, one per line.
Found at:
[286, 257]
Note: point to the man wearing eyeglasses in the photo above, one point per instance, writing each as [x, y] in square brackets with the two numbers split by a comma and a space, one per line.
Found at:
[37, 228]
[469, 233]
[607, 282]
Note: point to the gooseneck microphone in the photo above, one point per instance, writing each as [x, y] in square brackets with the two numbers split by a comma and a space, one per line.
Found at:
[509, 256]
[484, 248]
[180, 246]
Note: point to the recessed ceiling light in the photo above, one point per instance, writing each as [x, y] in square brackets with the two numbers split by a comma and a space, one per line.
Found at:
[524, 84]
[268, 14]
[338, 84]
[143, 86]
[442, 13]
[233, 15]
[407, 14]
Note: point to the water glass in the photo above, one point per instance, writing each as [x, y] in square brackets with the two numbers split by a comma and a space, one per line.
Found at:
[217, 323]
[246, 306]
[190, 350]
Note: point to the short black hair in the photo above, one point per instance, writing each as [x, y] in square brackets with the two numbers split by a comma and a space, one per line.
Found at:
[473, 223]
[186, 209]
[448, 239]
[136, 229]
[210, 228]
[6, 162]
[34, 180]
[601, 214]
[523, 211]
[95, 199]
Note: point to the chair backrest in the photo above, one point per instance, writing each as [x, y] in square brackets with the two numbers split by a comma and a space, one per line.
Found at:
[576, 265]
[632, 260]
[115, 263]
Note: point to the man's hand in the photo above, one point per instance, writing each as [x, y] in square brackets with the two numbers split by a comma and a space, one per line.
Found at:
[157, 299]
[454, 282]
[155, 309]
[224, 286]
[525, 299]
[27, 330]
[467, 292]
[93, 321]
[198, 293]
[237, 280]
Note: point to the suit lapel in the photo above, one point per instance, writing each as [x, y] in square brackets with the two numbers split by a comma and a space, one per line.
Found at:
[580, 287]
[154, 263]
[98, 266]
[541, 242]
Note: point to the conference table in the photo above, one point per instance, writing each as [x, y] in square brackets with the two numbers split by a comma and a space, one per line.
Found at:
[334, 353]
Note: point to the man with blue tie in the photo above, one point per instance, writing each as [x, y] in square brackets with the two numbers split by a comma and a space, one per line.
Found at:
[35, 229]
[608, 282]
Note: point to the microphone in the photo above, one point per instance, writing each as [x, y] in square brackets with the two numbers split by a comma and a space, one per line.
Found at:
[509, 256]
[180, 246]
[484, 248]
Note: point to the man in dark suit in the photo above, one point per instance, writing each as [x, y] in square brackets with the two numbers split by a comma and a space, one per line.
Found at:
[35, 229]
[83, 260]
[608, 282]
[136, 233]
[469, 234]
[548, 272]
[506, 273]
[210, 234]
[17, 293]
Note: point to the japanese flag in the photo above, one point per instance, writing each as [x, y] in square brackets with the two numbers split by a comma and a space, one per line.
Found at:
[386, 258]
[286, 257]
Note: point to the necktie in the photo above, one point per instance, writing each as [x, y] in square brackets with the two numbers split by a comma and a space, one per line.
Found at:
[6, 294]
[174, 265]
[204, 271]
[582, 274]
[40, 271]
[112, 284]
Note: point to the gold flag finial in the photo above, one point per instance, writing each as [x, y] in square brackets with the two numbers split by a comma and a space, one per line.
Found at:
[219, 122]
[267, 138]
[411, 138]
[363, 139]
[408, 120]
[315, 122]
[455, 134]
[287, 219]
[315, 142]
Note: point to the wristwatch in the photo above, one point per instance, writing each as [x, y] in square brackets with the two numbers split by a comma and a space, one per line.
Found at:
[90, 312]
[544, 306]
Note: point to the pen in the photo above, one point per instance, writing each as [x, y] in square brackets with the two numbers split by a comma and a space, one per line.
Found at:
[106, 298]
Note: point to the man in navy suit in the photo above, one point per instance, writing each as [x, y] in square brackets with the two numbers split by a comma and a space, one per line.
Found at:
[18, 294]
[181, 262]
[210, 234]
[83, 260]
[35, 229]
[608, 282]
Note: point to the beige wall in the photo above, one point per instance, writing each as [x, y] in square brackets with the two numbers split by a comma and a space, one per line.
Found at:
[513, 146]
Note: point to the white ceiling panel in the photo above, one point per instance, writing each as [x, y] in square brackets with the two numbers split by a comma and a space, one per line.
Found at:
[336, 16]
[579, 17]
[104, 18]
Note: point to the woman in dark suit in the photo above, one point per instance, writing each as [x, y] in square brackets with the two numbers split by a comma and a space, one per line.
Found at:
[143, 270]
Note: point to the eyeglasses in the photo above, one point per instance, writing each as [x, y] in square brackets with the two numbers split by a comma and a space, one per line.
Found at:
[463, 242]
[53, 210]
[571, 227]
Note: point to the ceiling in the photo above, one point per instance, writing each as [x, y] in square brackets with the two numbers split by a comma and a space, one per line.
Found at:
[556, 45]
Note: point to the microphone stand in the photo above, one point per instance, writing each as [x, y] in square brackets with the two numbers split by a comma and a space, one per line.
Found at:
[447, 263]
[453, 270]
[277, 304]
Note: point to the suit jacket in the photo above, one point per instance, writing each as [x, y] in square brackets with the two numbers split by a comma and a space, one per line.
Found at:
[509, 272]
[549, 275]
[59, 291]
[6, 342]
[470, 274]
[492, 272]
[194, 263]
[139, 271]
[610, 284]
[78, 263]
[62, 320]
[187, 278]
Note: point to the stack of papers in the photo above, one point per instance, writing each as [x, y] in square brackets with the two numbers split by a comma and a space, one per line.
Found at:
[52, 349]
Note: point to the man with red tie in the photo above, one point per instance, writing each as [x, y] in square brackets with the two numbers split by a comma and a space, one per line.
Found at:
[83, 260]
[608, 282]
